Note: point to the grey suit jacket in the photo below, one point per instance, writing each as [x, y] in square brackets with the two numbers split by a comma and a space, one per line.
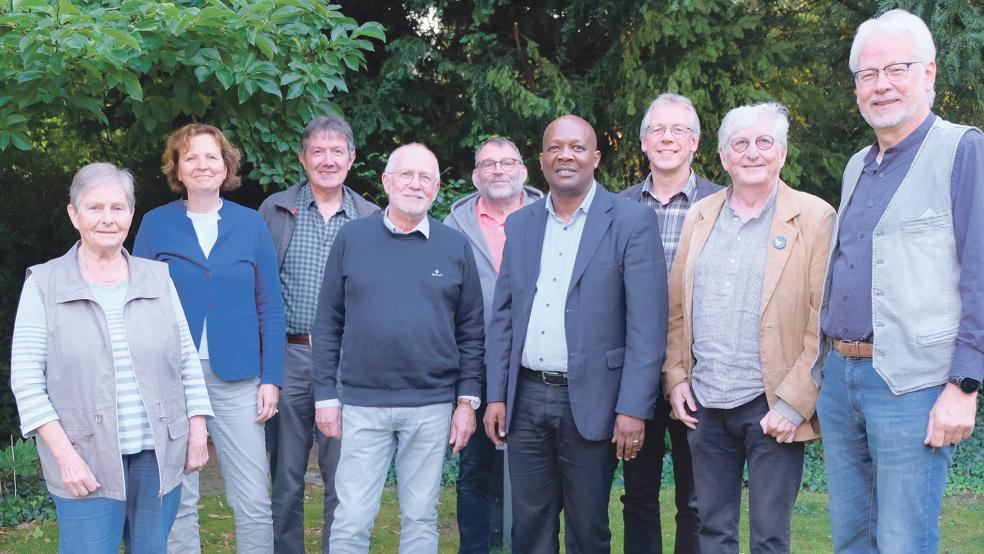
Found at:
[615, 314]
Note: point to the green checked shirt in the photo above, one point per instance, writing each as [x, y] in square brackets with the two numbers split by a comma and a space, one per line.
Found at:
[304, 263]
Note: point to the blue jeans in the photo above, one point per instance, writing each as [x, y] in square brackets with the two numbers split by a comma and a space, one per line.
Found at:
[96, 525]
[885, 486]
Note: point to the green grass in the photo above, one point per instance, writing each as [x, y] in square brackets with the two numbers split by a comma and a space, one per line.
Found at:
[962, 525]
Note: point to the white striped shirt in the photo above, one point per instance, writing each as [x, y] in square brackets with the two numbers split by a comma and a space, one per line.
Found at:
[29, 357]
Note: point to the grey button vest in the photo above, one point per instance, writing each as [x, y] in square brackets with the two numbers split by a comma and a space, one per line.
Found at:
[915, 293]
[81, 376]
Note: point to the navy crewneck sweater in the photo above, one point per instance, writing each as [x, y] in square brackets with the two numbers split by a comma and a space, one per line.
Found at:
[400, 318]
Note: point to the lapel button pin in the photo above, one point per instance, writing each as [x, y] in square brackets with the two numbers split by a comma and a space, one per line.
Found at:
[779, 242]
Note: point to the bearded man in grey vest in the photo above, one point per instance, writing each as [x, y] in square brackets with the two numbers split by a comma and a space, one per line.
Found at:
[902, 318]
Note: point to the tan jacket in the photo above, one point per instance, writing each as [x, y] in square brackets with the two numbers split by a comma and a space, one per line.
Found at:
[791, 292]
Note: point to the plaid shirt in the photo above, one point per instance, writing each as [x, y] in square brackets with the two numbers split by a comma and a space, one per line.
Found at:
[671, 214]
[304, 263]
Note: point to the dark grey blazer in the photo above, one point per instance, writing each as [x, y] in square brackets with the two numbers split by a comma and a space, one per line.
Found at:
[616, 312]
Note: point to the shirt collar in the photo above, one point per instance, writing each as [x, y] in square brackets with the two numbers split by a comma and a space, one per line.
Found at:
[914, 139]
[481, 208]
[306, 198]
[585, 204]
[423, 227]
[766, 208]
[688, 189]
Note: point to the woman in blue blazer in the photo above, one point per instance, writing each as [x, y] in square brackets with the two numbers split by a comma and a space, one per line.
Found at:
[223, 263]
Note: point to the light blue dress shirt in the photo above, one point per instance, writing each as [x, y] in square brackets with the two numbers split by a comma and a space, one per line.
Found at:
[545, 348]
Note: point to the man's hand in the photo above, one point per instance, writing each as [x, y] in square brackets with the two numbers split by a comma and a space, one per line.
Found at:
[462, 426]
[266, 402]
[775, 425]
[197, 455]
[683, 404]
[495, 422]
[628, 436]
[76, 475]
[952, 418]
[329, 421]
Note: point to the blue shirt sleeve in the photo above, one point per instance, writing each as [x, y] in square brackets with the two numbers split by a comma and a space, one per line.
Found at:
[967, 193]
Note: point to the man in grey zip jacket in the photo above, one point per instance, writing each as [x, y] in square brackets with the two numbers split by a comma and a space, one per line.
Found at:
[481, 216]
[304, 220]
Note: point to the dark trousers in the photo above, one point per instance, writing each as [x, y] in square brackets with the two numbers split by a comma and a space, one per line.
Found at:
[643, 476]
[290, 435]
[474, 488]
[721, 444]
[552, 467]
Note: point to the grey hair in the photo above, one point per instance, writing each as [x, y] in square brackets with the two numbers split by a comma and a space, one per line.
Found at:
[498, 141]
[391, 160]
[100, 172]
[746, 116]
[331, 125]
[670, 98]
[900, 22]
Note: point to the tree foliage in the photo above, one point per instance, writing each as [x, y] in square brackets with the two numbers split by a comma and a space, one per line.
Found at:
[456, 72]
[136, 69]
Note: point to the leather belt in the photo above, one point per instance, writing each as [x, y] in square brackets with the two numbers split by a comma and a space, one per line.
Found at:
[299, 339]
[852, 348]
[552, 378]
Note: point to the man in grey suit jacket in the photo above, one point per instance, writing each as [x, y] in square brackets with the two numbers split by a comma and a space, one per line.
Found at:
[575, 344]
[669, 135]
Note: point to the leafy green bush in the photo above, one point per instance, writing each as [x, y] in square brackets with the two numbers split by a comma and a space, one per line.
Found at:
[23, 495]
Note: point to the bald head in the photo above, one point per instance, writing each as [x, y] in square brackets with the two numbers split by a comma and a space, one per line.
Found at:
[570, 155]
[572, 123]
[411, 181]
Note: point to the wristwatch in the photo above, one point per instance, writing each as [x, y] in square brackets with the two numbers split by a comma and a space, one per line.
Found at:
[966, 384]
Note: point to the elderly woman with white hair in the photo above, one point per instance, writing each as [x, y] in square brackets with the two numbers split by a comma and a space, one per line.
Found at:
[744, 301]
[104, 370]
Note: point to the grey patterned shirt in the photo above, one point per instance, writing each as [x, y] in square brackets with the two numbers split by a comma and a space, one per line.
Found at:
[671, 214]
[727, 296]
[304, 262]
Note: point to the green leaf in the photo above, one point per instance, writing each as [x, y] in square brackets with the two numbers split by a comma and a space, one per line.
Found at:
[132, 85]
[267, 47]
[4, 140]
[290, 78]
[370, 29]
[295, 90]
[13, 120]
[224, 76]
[20, 141]
[122, 39]
[202, 73]
[270, 87]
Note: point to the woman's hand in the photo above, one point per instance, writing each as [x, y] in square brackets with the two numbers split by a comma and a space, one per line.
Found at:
[266, 402]
[76, 476]
[197, 455]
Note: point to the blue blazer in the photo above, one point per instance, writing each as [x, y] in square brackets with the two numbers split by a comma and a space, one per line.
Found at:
[615, 319]
[237, 287]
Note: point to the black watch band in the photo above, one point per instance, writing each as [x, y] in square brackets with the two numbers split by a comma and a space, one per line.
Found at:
[966, 384]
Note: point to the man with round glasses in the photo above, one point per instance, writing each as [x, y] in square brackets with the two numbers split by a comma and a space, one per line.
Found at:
[744, 297]
[669, 135]
[902, 323]
[499, 177]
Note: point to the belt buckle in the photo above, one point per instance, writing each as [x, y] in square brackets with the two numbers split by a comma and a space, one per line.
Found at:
[553, 378]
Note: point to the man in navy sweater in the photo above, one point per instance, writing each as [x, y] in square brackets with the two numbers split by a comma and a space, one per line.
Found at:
[401, 297]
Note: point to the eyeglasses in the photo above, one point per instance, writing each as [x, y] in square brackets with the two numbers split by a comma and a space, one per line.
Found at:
[507, 164]
[763, 142]
[677, 131]
[404, 178]
[893, 72]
